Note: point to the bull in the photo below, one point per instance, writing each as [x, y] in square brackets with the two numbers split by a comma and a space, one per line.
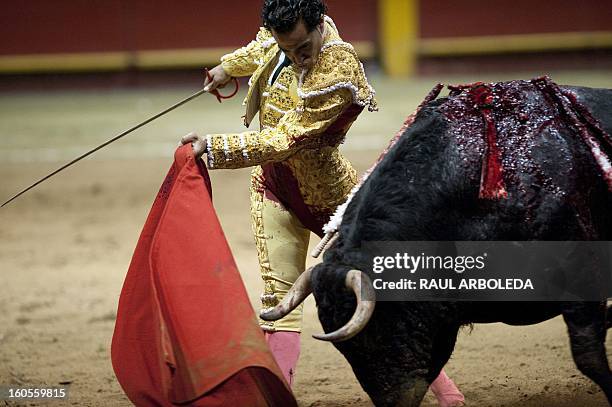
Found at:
[430, 186]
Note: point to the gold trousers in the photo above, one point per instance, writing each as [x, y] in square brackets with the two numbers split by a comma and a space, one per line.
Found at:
[282, 246]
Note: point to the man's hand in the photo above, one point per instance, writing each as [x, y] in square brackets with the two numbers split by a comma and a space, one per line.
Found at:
[198, 143]
[219, 79]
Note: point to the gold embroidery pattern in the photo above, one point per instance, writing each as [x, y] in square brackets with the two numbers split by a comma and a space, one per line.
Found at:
[325, 177]
[244, 61]
[268, 298]
[279, 97]
[293, 132]
[338, 68]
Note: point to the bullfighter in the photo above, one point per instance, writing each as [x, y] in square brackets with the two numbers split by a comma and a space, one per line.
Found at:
[308, 86]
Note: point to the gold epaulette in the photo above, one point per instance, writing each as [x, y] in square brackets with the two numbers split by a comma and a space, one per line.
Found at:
[338, 68]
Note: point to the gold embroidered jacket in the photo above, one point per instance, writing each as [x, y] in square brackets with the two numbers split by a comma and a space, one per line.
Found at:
[304, 116]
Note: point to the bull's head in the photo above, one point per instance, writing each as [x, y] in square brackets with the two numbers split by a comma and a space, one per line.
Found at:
[356, 281]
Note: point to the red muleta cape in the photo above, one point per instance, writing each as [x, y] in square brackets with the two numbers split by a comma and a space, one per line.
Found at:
[185, 331]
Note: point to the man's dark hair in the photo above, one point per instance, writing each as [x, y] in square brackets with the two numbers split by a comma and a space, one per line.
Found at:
[282, 15]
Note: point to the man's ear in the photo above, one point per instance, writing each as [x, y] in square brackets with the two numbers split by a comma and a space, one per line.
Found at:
[321, 25]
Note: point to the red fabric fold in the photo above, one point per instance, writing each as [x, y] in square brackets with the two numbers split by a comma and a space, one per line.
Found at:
[185, 331]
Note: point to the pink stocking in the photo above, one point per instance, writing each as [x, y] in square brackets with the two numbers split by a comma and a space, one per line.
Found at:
[285, 347]
[447, 394]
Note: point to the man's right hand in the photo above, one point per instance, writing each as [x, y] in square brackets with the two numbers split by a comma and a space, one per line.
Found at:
[219, 79]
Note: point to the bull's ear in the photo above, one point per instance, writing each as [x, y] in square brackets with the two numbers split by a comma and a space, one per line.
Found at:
[358, 282]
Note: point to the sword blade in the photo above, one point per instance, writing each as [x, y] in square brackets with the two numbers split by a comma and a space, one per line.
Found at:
[117, 137]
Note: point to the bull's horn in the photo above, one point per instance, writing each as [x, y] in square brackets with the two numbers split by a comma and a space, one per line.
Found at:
[294, 297]
[361, 285]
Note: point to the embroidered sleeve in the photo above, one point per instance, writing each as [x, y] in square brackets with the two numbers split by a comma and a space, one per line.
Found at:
[297, 129]
[244, 61]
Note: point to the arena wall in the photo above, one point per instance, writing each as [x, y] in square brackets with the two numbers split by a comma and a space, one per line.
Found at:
[118, 35]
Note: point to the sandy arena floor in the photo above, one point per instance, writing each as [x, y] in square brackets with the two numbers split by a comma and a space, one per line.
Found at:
[65, 248]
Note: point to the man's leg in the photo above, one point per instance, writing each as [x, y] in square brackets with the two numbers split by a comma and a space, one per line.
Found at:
[285, 347]
[282, 245]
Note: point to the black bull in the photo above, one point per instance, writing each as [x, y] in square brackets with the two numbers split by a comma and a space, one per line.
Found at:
[429, 187]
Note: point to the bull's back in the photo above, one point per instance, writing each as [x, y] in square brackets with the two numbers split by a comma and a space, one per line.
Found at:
[428, 186]
[598, 101]
[555, 188]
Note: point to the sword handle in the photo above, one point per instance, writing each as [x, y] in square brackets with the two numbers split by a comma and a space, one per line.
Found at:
[216, 91]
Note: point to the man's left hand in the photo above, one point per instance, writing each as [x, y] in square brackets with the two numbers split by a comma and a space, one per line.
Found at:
[198, 143]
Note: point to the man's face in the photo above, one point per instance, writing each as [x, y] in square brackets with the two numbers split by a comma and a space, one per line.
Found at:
[301, 47]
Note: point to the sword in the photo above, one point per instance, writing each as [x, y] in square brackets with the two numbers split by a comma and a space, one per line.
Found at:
[125, 133]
